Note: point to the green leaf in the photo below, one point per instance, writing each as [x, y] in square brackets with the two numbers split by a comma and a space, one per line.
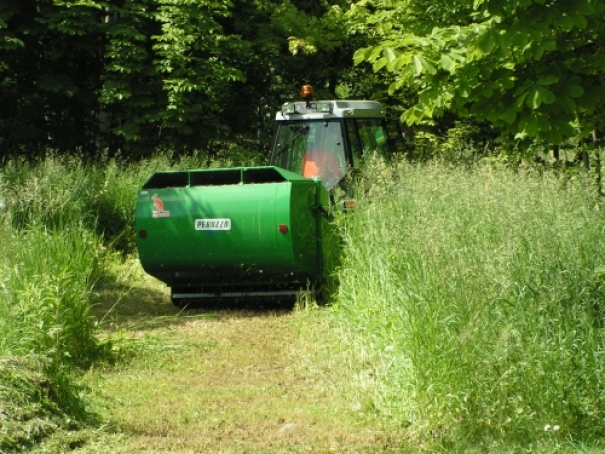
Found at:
[400, 62]
[448, 64]
[575, 91]
[487, 43]
[413, 115]
[373, 53]
[547, 96]
[458, 55]
[548, 80]
[464, 90]
[534, 99]
[564, 21]
[521, 100]
[567, 104]
[550, 45]
[531, 125]
[584, 7]
[448, 34]
[379, 64]
[418, 66]
[389, 54]
[523, 88]
[567, 129]
[579, 20]
[360, 55]
[509, 115]
[554, 136]
[393, 87]
[428, 66]
[543, 123]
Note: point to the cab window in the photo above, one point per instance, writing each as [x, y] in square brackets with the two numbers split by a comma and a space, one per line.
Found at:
[312, 149]
[366, 136]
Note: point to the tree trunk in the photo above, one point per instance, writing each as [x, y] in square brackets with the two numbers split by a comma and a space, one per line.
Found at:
[104, 117]
[597, 143]
[583, 155]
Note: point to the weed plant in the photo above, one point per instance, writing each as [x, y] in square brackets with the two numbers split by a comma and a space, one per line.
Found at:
[477, 299]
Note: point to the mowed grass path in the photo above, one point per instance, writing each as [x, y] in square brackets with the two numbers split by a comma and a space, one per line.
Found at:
[230, 381]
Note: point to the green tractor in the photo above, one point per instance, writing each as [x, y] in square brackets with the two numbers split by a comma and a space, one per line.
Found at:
[258, 232]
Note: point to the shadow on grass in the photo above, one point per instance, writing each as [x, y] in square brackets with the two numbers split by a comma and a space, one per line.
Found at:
[118, 306]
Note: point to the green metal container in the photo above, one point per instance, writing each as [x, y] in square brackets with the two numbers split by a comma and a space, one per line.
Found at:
[232, 232]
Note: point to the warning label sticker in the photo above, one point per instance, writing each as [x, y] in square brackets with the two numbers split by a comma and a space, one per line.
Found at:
[159, 211]
[213, 224]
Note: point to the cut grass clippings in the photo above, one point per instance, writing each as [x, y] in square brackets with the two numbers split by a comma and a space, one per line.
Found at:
[29, 412]
[237, 381]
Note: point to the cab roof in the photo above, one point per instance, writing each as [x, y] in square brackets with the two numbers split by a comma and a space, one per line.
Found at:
[324, 110]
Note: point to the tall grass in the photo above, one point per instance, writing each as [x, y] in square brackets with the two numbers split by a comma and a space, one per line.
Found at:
[48, 263]
[46, 278]
[477, 296]
[58, 219]
[61, 221]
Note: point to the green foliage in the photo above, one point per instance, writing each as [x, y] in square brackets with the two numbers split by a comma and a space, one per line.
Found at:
[48, 266]
[532, 69]
[310, 31]
[45, 303]
[134, 76]
[49, 260]
[170, 70]
[48, 75]
[477, 298]
[131, 94]
[194, 56]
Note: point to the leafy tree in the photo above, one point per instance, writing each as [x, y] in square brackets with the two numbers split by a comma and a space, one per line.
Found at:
[290, 43]
[135, 75]
[169, 70]
[192, 74]
[48, 75]
[131, 91]
[532, 68]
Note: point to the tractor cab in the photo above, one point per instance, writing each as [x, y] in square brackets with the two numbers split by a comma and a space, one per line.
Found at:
[327, 139]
